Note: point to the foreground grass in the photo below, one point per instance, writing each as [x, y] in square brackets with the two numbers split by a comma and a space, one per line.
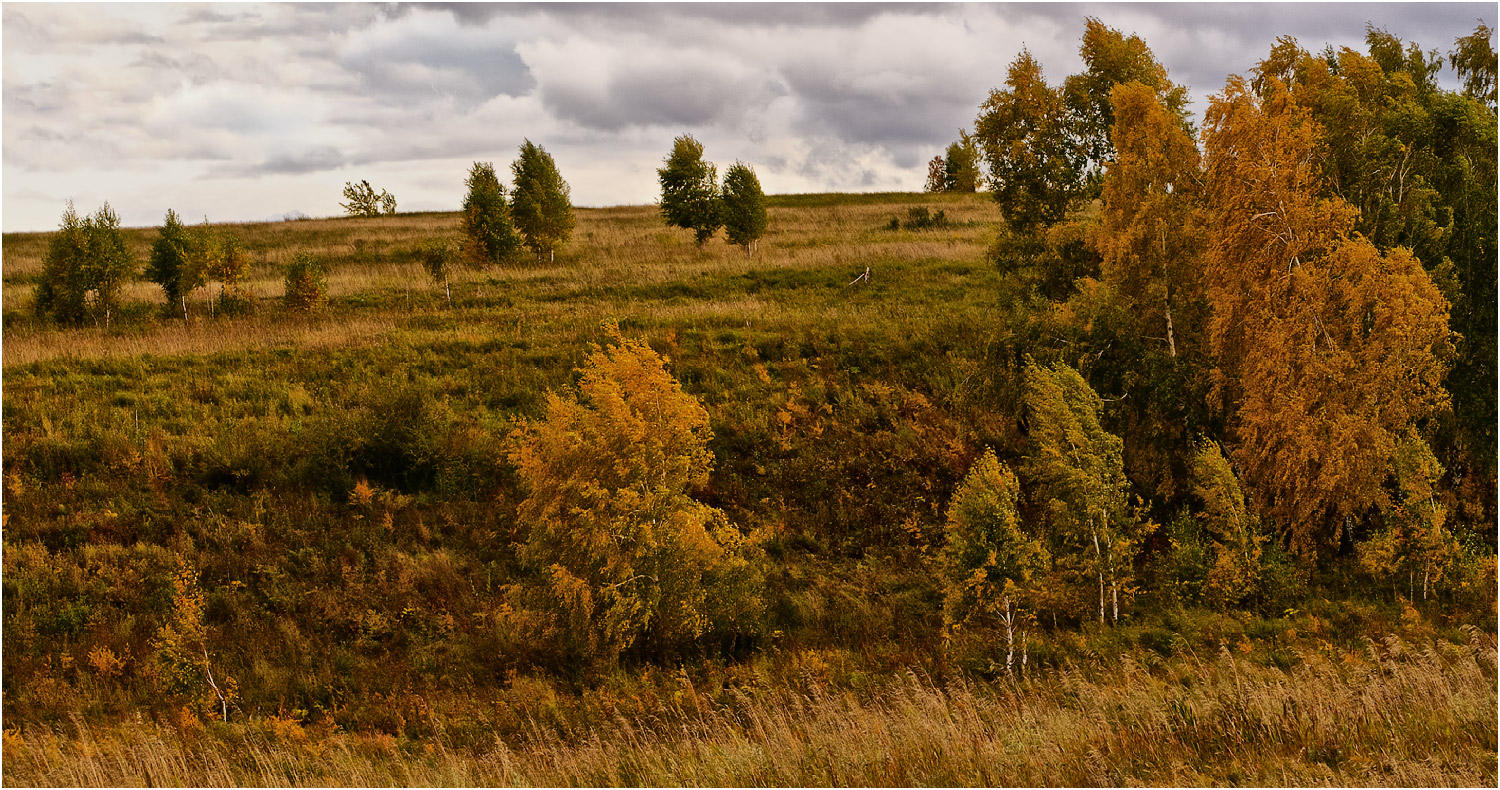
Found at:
[1393, 714]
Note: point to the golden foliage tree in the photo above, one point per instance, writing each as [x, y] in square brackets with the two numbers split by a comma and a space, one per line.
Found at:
[1328, 350]
[180, 649]
[990, 562]
[1150, 232]
[1112, 58]
[628, 558]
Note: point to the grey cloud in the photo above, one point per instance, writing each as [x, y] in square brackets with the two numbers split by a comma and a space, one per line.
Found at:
[879, 113]
[469, 71]
[311, 160]
[656, 96]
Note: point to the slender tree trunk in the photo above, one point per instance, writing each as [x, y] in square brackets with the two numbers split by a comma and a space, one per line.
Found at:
[1010, 636]
[1025, 647]
[1114, 584]
[1099, 560]
[448, 290]
[1171, 339]
[184, 307]
[552, 256]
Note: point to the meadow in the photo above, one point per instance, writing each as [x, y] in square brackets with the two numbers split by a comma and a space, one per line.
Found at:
[338, 483]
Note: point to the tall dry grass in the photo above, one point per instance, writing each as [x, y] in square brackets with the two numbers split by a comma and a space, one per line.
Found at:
[1393, 714]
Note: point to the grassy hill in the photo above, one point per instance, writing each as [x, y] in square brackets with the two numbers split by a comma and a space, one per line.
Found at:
[360, 628]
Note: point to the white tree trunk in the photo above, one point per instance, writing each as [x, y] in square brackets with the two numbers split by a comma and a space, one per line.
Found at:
[1099, 560]
[1009, 618]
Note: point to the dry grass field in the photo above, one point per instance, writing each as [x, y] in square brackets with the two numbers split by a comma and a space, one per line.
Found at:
[1394, 714]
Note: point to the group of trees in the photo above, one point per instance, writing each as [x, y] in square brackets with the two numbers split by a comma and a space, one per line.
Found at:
[691, 197]
[184, 260]
[538, 214]
[88, 260]
[958, 169]
[84, 267]
[1320, 278]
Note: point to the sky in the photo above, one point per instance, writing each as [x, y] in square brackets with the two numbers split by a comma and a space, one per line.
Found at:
[237, 112]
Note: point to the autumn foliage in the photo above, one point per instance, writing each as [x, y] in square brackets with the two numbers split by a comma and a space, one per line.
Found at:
[1329, 350]
[625, 556]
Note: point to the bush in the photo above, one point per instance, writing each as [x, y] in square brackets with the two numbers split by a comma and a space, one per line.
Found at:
[306, 288]
[920, 218]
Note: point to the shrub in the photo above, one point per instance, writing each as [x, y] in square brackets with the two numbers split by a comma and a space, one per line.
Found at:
[437, 256]
[626, 557]
[306, 288]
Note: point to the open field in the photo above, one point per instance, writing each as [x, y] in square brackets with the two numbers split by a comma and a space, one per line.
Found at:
[338, 482]
[623, 263]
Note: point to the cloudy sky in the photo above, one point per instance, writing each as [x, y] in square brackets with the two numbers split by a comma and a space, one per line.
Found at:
[247, 112]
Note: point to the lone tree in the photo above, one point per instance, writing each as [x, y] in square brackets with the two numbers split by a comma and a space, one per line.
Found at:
[628, 558]
[539, 201]
[489, 236]
[363, 201]
[690, 190]
[744, 207]
[171, 264]
[85, 265]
